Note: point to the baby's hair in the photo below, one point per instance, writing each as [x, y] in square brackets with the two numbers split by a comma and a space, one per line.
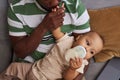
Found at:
[98, 34]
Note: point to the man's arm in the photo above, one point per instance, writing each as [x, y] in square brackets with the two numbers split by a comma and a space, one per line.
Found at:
[25, 45]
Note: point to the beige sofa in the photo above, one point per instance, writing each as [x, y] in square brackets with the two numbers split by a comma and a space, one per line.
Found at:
[105, 21]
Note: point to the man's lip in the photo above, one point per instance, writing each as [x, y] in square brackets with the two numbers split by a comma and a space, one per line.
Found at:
[59, 0]
[54, 6]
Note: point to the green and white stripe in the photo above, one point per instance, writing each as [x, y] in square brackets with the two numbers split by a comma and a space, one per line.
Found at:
[25, 15]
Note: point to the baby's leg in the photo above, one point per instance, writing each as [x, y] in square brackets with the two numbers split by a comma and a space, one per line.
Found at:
[18, 69]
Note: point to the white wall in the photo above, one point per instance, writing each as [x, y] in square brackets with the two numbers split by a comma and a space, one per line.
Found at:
[93, 4]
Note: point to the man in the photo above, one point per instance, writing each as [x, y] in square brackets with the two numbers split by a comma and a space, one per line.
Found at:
[31, 22]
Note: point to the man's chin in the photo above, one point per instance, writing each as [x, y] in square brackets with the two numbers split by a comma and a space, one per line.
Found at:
[48, 9]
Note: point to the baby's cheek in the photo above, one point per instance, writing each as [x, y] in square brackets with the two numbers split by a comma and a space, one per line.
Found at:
[88, 56]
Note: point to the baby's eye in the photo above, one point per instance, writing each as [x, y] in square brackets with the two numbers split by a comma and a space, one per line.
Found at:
[87, 42]
[92, 52]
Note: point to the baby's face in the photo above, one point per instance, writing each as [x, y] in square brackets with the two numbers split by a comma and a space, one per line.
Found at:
[92, 43]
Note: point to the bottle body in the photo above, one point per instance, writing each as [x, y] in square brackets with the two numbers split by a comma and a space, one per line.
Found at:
[78, 51]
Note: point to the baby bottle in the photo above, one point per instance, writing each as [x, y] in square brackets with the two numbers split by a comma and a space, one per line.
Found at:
[78, 51]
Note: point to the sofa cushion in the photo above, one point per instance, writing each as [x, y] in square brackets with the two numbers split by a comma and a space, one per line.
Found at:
[107, 23]
[5, 48]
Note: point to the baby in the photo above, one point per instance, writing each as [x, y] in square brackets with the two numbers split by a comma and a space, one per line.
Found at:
[92, 42]
[55, 66]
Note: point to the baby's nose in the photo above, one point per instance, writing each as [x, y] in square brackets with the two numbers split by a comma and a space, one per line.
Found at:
[87, 49]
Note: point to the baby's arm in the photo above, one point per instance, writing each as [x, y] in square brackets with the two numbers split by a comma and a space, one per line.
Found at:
[57, 33]
[71, 73]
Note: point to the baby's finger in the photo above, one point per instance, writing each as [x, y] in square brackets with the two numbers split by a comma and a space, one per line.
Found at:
[63, 5]
[80, 60]
[77, 60]
[73, 64]
[54, 10]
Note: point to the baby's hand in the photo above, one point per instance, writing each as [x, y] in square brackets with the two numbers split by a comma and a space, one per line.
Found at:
[75, 63]
[59, 10]
[57, 33]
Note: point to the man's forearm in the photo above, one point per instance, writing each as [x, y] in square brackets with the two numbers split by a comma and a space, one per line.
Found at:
[28, 44]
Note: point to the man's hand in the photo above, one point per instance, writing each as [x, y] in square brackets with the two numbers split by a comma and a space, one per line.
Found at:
[54, 19]
[75, 63]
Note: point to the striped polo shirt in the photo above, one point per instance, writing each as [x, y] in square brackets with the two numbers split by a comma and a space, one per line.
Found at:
[25, 15]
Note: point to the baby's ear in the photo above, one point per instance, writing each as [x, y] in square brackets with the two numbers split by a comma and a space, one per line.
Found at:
[78, 37]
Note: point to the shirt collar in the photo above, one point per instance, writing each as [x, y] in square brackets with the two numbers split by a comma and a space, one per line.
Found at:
[38, 5]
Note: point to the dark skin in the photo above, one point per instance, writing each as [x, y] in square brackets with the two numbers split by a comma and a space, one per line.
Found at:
[48, 4]
[25, 45]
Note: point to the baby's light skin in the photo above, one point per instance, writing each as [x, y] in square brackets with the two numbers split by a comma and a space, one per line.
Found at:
[93, 44]
[91, 41]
